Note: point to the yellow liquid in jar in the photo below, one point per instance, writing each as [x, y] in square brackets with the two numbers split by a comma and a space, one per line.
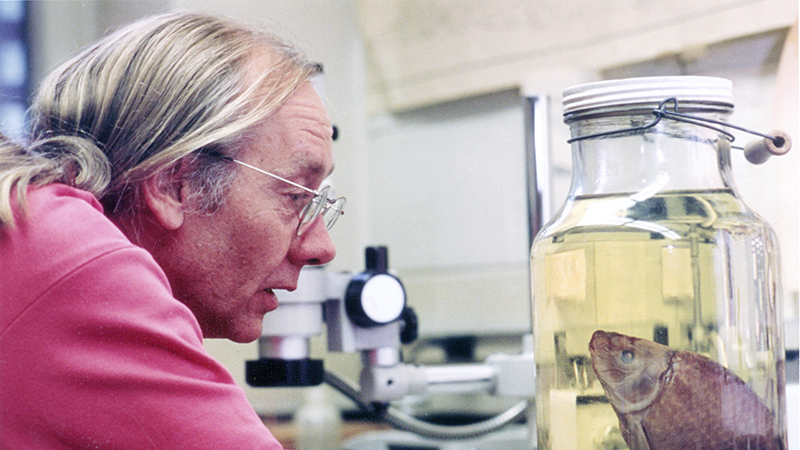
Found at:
[679, 268]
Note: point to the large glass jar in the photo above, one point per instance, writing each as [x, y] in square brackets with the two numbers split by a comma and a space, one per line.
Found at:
[655, 244]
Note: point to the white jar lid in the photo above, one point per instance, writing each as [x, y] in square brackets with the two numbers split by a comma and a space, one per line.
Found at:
[648, 90]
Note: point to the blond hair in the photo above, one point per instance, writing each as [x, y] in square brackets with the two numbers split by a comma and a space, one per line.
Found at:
[139, 101]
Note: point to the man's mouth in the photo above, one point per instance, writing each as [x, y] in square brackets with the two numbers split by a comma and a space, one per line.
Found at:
[271, 301]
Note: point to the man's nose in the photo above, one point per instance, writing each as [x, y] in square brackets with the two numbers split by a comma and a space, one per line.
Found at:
[314, 246]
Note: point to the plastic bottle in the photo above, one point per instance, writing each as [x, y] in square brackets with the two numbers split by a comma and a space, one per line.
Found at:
[318, 423]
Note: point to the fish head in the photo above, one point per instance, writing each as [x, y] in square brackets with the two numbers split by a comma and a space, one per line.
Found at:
[629, 369]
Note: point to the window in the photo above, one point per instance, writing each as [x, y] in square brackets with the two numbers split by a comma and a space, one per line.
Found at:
[13, 68]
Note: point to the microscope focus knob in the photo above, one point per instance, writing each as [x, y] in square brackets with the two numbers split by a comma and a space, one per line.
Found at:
[409, 332]
[374, 299]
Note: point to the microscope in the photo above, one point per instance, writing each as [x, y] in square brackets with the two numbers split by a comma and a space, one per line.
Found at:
[367, 312]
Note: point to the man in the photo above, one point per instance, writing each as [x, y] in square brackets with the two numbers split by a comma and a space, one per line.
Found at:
[171, 183]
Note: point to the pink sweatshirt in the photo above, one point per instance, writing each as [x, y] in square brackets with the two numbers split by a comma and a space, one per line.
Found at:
[94, 350]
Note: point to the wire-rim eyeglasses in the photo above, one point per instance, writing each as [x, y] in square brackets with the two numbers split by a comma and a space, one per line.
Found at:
[329, 208]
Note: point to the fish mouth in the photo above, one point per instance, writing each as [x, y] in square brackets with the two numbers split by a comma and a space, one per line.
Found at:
[600, 340]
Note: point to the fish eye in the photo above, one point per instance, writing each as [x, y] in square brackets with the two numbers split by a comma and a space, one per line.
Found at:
[626, 356]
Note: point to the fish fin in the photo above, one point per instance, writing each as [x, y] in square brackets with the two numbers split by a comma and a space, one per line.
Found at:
[637, 437]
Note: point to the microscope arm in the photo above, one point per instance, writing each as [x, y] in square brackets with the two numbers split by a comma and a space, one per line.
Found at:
[501, 375]
[404, 421]
[367, 313]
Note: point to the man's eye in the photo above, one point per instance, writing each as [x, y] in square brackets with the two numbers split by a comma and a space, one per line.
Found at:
[300, 199]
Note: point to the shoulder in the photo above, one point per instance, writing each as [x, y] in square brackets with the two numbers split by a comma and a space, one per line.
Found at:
[57, 216]
[60, 209]
[62, 228]
[66, 244]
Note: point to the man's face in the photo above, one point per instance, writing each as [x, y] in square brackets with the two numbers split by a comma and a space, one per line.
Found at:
[231, 260]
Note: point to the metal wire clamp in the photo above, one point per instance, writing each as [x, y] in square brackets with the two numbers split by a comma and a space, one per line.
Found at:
[777, 142]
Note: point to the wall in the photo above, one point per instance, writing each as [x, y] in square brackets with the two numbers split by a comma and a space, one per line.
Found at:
[60, 29]
[429, 51]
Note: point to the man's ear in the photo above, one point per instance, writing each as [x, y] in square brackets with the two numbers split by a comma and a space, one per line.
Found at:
[164, 197]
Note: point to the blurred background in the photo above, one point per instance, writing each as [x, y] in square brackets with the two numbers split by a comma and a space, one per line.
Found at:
[429, 99]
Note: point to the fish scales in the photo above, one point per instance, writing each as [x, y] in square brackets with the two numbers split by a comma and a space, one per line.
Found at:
[667, 399]
[703, 405]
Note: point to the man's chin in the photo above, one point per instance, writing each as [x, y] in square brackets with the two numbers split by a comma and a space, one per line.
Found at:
[246, 336]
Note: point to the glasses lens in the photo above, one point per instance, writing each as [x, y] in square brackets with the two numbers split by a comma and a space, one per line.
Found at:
[312, 209]
[332, 211]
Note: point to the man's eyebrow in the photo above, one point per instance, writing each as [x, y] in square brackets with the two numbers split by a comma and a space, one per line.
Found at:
[312, 167]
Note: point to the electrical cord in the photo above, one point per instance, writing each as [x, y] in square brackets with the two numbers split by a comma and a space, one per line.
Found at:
[407, 422]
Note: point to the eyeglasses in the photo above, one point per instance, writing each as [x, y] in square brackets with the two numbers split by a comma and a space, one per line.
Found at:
[320, 204]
